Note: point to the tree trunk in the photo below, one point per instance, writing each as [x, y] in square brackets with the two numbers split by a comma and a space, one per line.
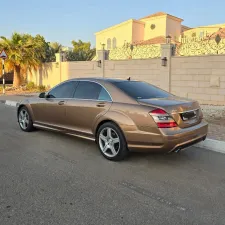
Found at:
[16, 77]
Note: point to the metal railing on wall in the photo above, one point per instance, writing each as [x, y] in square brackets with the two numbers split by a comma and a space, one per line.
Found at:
[213, 44]
[133, 51]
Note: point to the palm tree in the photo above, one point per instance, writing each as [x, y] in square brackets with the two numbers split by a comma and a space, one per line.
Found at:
[57, 47]
[24, 53]
[82, 51]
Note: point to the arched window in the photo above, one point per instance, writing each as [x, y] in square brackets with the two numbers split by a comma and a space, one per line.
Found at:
[201, 34]
[108, 43]
[114, 42]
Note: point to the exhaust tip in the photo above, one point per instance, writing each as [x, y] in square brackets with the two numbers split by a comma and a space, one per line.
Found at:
[177, 150]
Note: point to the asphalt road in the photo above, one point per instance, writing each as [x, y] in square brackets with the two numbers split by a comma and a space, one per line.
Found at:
[48, 178]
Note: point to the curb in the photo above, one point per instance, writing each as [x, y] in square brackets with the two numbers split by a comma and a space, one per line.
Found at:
[209, 144]
[212, 145]
[11, 103]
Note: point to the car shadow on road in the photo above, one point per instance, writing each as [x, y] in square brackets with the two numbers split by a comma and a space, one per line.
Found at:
[186, 156]
[172, 157]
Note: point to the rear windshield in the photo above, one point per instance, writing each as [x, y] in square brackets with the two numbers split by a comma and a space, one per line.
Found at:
[141, 90]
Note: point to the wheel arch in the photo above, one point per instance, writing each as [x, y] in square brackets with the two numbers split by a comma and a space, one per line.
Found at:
[103, 122]
[122, 121]
[28, 108]
[18, 110]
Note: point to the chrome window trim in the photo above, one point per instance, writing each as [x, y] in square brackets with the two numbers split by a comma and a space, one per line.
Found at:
[93, 100]
[82, 98]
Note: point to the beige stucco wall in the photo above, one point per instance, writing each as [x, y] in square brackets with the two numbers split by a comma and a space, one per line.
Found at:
[196, 77]
[52, 73]
[148, 70]
[48, 75]
[199, 77]
[81, 69]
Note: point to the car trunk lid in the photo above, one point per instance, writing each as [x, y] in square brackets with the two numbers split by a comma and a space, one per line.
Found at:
[185, 112]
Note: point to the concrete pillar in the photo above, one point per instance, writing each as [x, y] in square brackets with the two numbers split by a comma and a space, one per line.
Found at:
[60, 57]
[165, 71]
[103, 55]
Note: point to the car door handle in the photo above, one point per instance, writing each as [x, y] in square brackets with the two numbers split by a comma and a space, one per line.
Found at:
[101, 104]
[61, 103]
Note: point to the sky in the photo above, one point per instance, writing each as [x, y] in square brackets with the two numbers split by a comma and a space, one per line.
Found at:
[64, 21]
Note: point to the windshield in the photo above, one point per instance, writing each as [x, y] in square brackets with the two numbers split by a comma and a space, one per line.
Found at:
[141, 90]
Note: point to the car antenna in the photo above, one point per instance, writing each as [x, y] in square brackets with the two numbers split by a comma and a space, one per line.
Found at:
[128, 78]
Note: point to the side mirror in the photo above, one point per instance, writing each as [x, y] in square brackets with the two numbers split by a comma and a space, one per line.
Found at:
[42, 95]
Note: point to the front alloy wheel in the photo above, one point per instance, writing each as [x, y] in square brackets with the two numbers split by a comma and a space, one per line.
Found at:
[25, 120]
[112, 143]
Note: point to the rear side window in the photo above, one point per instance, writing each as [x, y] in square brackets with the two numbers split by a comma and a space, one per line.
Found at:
[88, 90]
[65, 90]
[141, 90]
[104, 96]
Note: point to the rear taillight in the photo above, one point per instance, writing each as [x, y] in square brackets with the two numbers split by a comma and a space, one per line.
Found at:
[163, 119]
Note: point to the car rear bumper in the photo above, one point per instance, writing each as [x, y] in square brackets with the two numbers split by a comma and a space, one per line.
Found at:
[170, 139]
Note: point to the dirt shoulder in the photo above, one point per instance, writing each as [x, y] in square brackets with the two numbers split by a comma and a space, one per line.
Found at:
[215, 116]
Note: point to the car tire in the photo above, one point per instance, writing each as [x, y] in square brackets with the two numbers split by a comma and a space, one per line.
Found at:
[111, 142]
[24, 119]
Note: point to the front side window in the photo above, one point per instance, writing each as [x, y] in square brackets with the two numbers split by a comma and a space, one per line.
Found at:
[65, 90]
[141, 90]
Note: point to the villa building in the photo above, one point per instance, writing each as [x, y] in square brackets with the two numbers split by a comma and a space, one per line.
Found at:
[151, 29]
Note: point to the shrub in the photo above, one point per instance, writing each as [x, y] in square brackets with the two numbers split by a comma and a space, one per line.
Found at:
[41, 88]
[31, 86]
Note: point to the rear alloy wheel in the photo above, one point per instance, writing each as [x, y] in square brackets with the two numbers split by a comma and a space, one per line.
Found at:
[25, 120]
[112, 143]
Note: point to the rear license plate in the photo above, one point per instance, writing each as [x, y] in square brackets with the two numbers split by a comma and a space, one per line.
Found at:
[189, 115]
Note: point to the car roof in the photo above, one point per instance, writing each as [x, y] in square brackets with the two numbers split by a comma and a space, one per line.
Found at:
[110, 80]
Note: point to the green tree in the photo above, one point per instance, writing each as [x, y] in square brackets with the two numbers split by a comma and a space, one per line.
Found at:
[24, 53]
[50, 49]
[82, 51]
[49, 53]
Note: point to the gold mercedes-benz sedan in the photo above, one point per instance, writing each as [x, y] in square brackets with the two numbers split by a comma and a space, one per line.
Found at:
[120, 115]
